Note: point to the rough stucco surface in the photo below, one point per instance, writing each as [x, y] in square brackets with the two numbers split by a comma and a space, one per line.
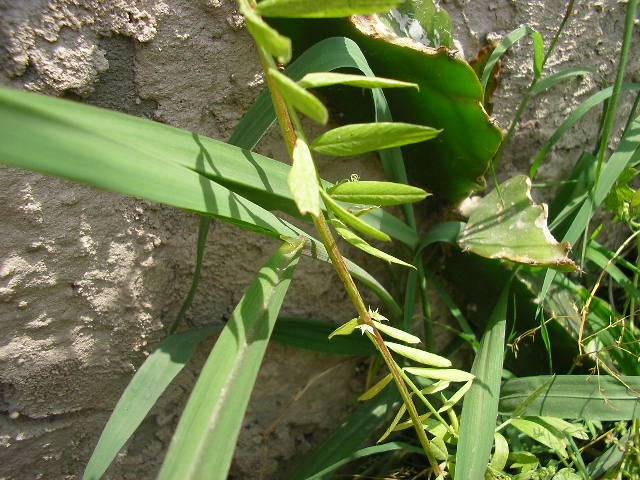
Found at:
[89, 280]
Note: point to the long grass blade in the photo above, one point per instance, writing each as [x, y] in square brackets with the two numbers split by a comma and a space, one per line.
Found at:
[142, 392]
[203, 444]
[480, 406]
[590, 397]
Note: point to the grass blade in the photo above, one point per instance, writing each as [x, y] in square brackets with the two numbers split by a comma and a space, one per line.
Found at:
[480, 406]
[324, 8]
[142, 392]
[548, 82]
[325, 79]
[202, 445]
[574, 396]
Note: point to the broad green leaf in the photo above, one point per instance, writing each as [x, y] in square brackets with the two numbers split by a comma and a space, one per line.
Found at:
[366, 137]
[344, 441]
[303, 180]
[480, 406]
[346, 328]
[542, 432]
[377, 193]
[203, 444]
[146, 159]
[351, 220]
[589, 397]
[323, 8]
[439, 448]
[450, 95]
[573, 429]
[501, 452]
[142, 392]
[363, 245]
[277, 45]
[326, 79]
[312, 335]
[508, 225]
[525, 460]
[376, 389]
[396, 333]
[448, 374]
[421, 20]
[299, 98]
[419, 355]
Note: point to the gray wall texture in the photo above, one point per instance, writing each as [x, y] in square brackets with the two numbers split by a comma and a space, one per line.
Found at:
[89, 280]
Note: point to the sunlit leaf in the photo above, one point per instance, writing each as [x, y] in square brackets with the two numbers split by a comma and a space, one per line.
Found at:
[508, 225]
[363, 245]
[448, 374]
[542, 432]
[419, 355]
[366, 137]
[455, 398]
[325, 79]
[345, 328]
[303, 180]
[299, 98]
[396, 333]
[351, 220]
[377, 193]
[501, 452]
[324, 8]
[376, 389]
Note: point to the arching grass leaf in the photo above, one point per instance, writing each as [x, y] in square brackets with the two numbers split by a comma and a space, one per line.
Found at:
[515, 230]
[203, 443]
[366, 137]
[377, 193]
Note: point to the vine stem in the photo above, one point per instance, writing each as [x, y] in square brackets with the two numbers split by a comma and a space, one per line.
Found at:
[289, 133]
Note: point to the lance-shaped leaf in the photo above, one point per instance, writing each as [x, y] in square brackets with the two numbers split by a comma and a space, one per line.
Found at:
[299, 98]
[345, 328]
[277, 45]
[325, 79]
[202, 446]
[508, 225]
[376, 389]
[418, 355]
[303, 180]
[455, 398]
[324, 8]
[366, 137]
[377, 193]
[501, 452]
[363, 245]
[539, 430]
[350, 219]
[448, 374]
[396, 333]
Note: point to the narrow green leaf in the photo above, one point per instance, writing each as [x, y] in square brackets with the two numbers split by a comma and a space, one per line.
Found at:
[538, 53]
[480, 406]
[609, 459]
[513, 37]
[324, 8]
[366, 137]
[299, 98]
[277, 45]
[394, 423]
[448, 374]
[203, 444]
[541, 432]
[574, 429]
[354, 222]
[363, 245]
[589, 397]
[376, 389]
[310, 334]
[456, 397]
[553, 79]
[418, 355]
[344, 441]
[345, 328]
[508, 225]
[377, 193]
[396, 333]
[325, 79]
[439, 448]
[303, 180]
[501, 452]
[142, 392]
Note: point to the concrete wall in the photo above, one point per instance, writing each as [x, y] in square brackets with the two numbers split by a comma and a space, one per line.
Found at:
[89, 280]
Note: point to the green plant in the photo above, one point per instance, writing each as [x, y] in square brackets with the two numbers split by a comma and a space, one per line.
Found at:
[156, 162]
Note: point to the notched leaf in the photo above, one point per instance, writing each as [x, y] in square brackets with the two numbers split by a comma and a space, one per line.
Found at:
[514, 228]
